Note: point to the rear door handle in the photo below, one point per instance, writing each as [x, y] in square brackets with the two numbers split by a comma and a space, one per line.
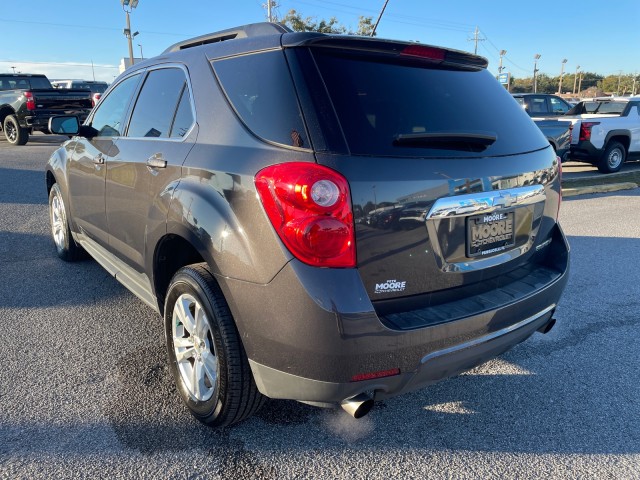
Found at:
[98, 159]
[157, 161]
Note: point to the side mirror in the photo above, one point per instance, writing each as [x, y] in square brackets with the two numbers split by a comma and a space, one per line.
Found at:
[64, 125]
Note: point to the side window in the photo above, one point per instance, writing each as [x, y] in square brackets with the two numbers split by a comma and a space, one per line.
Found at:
[109, 117]
[184, 116]
[260, 88]
[557, 105]
[155, 109]
[538, 105]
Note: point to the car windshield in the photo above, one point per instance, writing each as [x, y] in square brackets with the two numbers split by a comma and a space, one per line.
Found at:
[408, 110]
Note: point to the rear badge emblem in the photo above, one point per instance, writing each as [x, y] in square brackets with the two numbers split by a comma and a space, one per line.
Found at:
[391, 286]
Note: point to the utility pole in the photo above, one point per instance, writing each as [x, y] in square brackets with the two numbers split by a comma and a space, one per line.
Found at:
[619, 80]
[561, 75]
[536, 57]
[502, 54]
[373, 31]
[93, 71]
[269, 17]
[476, 38]
[575, 80]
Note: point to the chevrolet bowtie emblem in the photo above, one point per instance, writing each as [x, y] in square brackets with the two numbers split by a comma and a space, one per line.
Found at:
[505, 200]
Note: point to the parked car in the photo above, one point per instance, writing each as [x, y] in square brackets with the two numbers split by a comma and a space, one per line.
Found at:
[218, 182]
[542, 104]
[558, 132]
[606, 132]
[28, 101]
[97, 88]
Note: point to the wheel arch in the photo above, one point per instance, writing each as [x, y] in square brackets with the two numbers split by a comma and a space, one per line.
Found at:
[172, 252]
[5, 111]
[621, 136]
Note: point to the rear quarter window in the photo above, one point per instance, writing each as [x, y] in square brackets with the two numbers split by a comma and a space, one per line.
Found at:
[260, 89]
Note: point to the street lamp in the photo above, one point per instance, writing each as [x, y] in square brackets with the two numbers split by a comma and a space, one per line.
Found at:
[536, 57]
[561, 75]
[575, 80]
[128, 6]
[141, 55]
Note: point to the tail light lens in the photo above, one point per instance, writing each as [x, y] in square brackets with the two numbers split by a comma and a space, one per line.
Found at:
[585, 130]
[95, 98]
[559, 160]
[31, 102]
[309, 206]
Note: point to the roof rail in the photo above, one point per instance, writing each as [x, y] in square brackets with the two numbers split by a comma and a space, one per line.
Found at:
[245, 31]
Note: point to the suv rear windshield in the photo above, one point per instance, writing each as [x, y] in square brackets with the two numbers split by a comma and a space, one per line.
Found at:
[409, 110]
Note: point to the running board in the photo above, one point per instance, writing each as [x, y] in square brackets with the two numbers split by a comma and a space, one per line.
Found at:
[136, 283]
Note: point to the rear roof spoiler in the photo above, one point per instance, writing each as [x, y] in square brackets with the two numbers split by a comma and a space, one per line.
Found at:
[245, 31]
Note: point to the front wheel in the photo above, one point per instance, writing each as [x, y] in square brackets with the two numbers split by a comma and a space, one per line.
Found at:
[66, 246]
[206, 357]
[15, 134]
[613, 158]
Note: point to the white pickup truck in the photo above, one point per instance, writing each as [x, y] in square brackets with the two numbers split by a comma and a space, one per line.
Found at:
[606, 132]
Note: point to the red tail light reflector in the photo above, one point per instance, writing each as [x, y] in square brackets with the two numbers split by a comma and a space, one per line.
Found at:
[585, 130]
[309, 206]
[421, 51]
[371, 375]
[31, 102]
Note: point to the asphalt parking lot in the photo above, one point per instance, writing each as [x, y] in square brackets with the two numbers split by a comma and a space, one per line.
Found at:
[85, 391]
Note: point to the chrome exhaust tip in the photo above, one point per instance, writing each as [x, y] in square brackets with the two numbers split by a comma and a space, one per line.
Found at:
[358, 406]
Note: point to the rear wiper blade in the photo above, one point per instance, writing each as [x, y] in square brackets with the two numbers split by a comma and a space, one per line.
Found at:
[469, 141]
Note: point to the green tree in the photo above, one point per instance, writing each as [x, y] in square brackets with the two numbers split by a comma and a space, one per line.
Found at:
[294, 20]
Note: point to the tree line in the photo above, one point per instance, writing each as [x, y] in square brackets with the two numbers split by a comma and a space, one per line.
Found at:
[620, 84]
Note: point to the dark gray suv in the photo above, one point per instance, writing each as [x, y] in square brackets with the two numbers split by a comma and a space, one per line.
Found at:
[323, 218]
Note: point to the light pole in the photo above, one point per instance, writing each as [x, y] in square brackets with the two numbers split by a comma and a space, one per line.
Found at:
[502, 54]
[580, 83]
[128, 6]
[575, 80]
[141, 55]
[14, 69]
[561, 75]
[536, 57]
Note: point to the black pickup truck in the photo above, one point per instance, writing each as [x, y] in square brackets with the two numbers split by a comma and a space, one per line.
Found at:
[27, 101]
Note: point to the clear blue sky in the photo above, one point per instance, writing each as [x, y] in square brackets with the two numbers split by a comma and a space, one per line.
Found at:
[62, 38]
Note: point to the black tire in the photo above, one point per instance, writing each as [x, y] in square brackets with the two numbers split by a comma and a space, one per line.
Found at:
[15, 134]
[233, 395]
[66, 247]
[614, 156]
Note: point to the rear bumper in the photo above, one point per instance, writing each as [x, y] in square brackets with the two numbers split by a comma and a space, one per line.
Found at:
[40, 121]
[309, 331]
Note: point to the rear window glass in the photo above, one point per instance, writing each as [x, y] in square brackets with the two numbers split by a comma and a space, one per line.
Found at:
[24, 83]
[379, 102]
[260, 89]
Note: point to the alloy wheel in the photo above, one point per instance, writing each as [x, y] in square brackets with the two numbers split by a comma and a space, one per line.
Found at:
[194, 348]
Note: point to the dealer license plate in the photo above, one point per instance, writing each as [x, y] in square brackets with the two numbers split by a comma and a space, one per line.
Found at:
[490, 234]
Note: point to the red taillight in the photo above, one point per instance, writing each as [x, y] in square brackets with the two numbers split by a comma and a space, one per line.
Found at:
[559, 160]
[421, 51]
[310, 208]
[95, 98]
[371, 375]
[585, 130]
[31, 102]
